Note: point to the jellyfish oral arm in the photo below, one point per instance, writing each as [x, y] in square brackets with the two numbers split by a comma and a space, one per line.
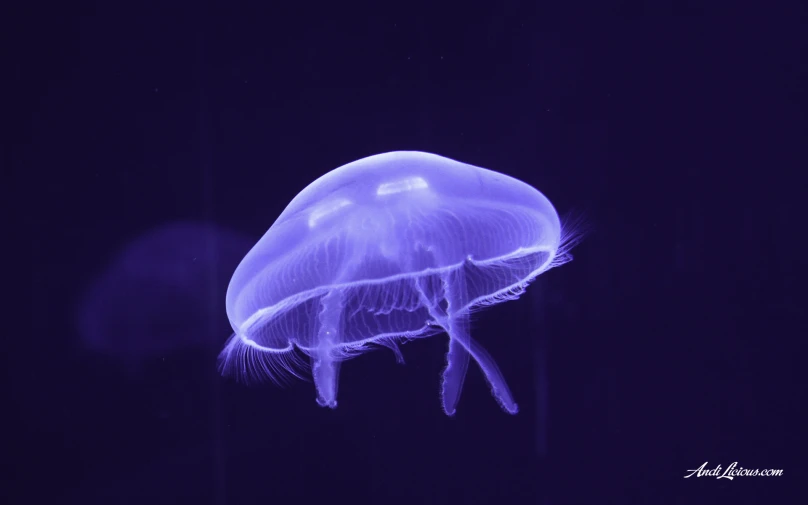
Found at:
[499, 388]
[461, 346]
[457, 363]
[325, 366]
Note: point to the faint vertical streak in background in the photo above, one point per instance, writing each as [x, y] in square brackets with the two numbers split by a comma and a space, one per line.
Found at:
[423, 84]
[538, 329]
[613, 400]
[206, 169]
[539, 68]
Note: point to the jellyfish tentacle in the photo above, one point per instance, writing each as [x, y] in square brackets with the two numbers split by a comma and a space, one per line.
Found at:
[325, 366]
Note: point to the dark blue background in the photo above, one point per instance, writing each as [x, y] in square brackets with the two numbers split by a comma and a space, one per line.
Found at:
[675, 337]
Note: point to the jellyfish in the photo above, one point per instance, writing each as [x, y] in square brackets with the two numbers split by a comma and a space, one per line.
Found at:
[383, 250]
[158, 295]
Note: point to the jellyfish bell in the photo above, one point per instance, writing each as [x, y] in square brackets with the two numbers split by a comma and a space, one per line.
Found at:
[392, 247]
[158, 295]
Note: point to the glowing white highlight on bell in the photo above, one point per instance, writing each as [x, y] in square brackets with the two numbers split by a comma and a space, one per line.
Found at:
[324, 210]
[410, 184]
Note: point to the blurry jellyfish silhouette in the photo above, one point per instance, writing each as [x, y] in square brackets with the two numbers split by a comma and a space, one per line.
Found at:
[161, 294]
[388, 248]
